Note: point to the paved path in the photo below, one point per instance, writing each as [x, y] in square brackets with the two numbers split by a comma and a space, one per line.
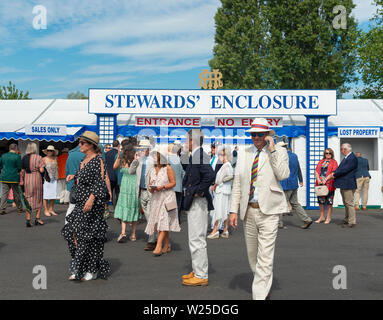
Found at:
[303, 264]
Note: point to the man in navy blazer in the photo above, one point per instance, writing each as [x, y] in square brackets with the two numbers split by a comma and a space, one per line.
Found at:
[345, 180]
[198, 178]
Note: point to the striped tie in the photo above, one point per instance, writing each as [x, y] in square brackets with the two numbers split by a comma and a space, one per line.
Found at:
[254, 173]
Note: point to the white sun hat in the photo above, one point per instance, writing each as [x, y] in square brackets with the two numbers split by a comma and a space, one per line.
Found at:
[260, 125]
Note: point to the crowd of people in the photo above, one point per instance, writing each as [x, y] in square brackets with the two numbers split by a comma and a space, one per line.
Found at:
[259, 183]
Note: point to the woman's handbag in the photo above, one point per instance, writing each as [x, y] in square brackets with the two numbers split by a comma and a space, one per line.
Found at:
[170, 206]
[72, 194]
[47, 178]
[321, 191]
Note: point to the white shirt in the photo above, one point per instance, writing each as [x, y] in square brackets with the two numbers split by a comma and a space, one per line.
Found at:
[261, 156]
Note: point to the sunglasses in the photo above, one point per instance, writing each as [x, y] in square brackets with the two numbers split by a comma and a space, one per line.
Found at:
[82, 142]
[259, 134]
[327, 153]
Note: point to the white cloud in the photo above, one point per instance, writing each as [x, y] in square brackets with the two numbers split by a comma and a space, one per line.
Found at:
[364, 10]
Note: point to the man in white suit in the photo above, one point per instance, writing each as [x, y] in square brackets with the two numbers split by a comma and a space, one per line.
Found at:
[258, 197]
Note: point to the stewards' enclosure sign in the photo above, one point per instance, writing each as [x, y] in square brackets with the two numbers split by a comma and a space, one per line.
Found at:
[213, 102]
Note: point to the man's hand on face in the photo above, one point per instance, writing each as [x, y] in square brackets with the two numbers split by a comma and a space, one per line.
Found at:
[271, 143]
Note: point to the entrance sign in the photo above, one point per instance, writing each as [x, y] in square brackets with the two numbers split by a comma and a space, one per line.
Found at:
[168, 122]
[213, 102]
[246, 122]
[354, 132]
[45, 130]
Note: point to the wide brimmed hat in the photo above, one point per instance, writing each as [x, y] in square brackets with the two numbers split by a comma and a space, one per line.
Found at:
[261, 125]
[163, 157]
[144, 144]
[91, 137]
[51, 148]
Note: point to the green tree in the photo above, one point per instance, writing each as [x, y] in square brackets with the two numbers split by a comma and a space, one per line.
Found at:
[76, 95]
[284, 44]
[370, 49]
[11, 93]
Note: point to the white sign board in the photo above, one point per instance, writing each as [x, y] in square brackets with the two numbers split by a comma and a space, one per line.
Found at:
[168, 122]
[245, 122]
[213, 102]
[45, 130]
[358, 132]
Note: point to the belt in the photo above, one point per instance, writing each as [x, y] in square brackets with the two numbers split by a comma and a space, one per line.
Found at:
[254, 205]
[143, 189]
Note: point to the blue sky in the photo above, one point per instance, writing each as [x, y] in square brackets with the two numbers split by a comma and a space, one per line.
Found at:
[111, 44]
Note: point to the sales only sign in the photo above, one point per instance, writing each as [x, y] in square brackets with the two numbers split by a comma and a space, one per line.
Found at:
[220, 103]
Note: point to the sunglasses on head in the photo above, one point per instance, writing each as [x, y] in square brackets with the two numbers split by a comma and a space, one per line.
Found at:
[259, 134]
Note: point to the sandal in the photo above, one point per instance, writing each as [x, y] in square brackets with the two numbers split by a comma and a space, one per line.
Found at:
[38, 222]
[131, 238]
[166, 250]
[319, 221]
[121, 238]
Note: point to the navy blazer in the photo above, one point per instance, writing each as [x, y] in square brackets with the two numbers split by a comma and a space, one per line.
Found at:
[363, 168]
[345, 174]
[109, 162]
[199, 176]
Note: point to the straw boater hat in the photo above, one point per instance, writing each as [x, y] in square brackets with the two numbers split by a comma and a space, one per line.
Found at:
[51, 148]
[90, 137]
[144, 144]
[261, 125]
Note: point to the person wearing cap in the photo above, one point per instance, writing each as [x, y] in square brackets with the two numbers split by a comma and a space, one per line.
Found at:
[61, 162]
[50, 188]
[141, 167]
[199, 176]
[86, 227]
[258, 197]
[290, 187]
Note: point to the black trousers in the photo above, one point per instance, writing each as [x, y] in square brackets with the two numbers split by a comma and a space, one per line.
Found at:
[115, 192]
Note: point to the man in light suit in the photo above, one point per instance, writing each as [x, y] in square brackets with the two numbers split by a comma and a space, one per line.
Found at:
[259, 199]
[141, 167]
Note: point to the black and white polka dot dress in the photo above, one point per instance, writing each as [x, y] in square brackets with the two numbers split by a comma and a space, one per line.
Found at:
[89, 228]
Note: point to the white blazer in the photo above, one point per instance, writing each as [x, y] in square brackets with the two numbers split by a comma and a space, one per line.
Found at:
[273, 168]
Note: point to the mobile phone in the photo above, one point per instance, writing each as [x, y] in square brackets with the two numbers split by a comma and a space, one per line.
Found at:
[153, 187]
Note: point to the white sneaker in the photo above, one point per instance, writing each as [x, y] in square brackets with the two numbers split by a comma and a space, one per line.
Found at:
[225, 234]
[72, 277]
[89, 276]
[213, 236]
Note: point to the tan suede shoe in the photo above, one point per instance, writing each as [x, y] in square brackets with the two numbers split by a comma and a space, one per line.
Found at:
[188, 276]
[194, 282]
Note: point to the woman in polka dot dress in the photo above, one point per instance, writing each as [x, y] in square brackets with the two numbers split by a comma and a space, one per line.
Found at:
[86, 227]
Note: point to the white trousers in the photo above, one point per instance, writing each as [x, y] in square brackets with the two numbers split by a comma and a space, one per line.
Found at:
[260, 235]
[64, 193]
[145, 204]
[197, 229]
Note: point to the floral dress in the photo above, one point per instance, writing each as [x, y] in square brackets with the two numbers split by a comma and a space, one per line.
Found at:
[160, 219]
[89, 228]
[329, 199]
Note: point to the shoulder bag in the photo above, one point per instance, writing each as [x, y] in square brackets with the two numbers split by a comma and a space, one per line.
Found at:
[321, 191]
